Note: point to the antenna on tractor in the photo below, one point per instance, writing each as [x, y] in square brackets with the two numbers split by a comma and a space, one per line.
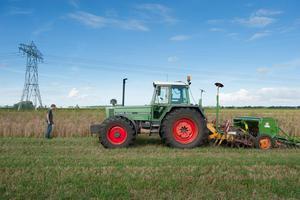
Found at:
[123, 94]
[219, 85]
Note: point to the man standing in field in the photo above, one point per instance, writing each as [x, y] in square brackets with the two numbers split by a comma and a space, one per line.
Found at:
[49, 121]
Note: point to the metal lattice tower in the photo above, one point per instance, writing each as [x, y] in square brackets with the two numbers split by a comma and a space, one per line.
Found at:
[31, 87]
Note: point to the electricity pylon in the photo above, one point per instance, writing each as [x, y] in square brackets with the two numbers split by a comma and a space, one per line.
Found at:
[31, 87]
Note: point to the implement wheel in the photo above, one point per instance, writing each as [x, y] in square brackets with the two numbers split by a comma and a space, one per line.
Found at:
[183, 128]
[264, 142]
[117, 132]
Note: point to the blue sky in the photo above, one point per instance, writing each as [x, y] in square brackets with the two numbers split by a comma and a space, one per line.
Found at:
[89, 46]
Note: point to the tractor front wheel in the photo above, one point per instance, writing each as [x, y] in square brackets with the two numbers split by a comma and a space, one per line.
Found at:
[117, 132]
[264, 142]
[183, 128]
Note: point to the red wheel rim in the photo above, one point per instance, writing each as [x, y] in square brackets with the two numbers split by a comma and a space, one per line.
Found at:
[117, 135]
[185, 131]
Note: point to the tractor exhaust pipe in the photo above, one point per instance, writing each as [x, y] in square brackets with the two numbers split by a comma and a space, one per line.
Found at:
[201, 98]
[123, 94]
[219, 85]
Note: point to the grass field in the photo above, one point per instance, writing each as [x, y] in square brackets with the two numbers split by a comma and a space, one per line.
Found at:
[69, 123]
[74, 165]
[79, 168]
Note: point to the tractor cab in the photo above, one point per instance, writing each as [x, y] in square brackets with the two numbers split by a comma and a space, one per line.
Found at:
[170, 93]
[167, 95]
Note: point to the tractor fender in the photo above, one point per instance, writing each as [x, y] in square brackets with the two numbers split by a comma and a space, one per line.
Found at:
[191, 107]
[95, 128]
[131, 121]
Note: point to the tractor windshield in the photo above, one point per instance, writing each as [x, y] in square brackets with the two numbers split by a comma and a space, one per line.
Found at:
[179, 95]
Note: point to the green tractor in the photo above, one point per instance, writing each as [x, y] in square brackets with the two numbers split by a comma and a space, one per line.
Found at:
[182, 124]
[179, 123]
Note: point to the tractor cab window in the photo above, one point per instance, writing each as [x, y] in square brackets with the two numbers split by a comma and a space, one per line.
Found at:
[162, 95]
[179, 95]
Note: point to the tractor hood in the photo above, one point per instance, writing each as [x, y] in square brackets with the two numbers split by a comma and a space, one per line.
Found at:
[142, 113]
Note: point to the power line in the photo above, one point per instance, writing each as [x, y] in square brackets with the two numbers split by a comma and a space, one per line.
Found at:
[103, 65]
[204, 73]
[160, 70]
[140, 65]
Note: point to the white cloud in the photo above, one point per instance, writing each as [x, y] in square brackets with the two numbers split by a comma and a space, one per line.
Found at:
[259, 35]
[269, 96]
[288, 65]
[233, 35]
[132, 25]
[255, 21]
[262, 70]
[172, 59]
[74, 3]
[157, 12]
[289, 27]
[295, 63]
[145, 15]
[44, 28]
[241, 95]
[73, 93]
[214, 21]
[95, 21]
[280, 95]
[216, 30]
[88, 19]
[260, 18]
[180, 38]
[266, 12]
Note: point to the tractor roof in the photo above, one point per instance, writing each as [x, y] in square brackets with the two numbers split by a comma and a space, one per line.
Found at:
[169, 83]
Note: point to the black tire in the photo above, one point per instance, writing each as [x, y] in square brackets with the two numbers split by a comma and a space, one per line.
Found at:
[161, 136]
[263, 145]
[169, 124]
[108, 138]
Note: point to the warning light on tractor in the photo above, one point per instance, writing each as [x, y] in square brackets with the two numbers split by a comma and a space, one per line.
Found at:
[188, 78]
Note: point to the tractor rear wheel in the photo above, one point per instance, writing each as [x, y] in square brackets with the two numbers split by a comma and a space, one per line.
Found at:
[117, 132]
[264, 142]
[183, 128]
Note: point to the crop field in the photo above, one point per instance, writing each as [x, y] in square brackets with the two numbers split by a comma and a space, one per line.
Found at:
[79, 168]
[76, 122]
[73, 165]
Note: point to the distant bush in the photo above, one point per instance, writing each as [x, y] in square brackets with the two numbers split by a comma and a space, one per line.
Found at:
[25, 105]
